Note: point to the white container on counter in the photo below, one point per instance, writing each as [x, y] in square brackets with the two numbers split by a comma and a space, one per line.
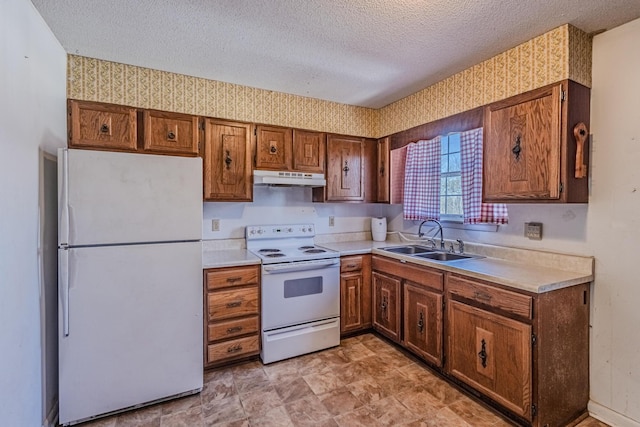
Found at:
[379, 228]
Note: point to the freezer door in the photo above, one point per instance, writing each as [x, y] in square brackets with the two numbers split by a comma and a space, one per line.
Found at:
[112, 198]
[134, 327]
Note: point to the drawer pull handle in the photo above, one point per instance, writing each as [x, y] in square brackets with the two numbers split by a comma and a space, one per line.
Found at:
[351, 266]
[234, 304]
[234, 329]
[384, 304]
[483, 353]
[421, 322]
[233, 279]
[236, 348]
[481, 296]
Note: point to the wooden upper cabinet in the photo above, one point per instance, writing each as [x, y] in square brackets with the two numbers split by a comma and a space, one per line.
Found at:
[227, 161]
[170, 133]
[274, 146]
[308, 151]
[345, 163]
[529, 149]
[102, 126]
[383, 171]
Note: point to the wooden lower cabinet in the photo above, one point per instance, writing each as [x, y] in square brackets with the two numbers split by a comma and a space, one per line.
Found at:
[355, 293]
[422, 322]
[231, 314]
[386, 305]
[528, 353]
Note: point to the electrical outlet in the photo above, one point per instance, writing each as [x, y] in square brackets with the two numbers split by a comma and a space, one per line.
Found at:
[215, 225]
[332, 221]
[533, 230]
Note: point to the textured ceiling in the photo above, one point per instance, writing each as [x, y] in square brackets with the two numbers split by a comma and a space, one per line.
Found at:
[359, 52]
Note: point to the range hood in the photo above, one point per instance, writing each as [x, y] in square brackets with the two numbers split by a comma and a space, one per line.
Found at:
[284, 178]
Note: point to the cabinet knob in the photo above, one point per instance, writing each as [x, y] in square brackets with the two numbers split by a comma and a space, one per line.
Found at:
[345, 169]
[273, 149]
[227, 159]
[384, 304]
[104, 128]
[421, 322]
[483, 353]
[171, 135]
[517, 148]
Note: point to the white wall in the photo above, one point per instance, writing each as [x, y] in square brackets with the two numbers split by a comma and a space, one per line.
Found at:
[32, 116]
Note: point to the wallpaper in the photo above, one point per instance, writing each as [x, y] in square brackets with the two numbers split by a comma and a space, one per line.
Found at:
[564, 52]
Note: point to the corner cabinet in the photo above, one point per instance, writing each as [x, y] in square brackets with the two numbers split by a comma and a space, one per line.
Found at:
[345, 168]
[529, 147]
[355, 293]
[528, 353]
[383, 181]
[228, 148]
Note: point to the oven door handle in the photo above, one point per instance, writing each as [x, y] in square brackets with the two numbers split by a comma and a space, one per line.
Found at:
[285, 268]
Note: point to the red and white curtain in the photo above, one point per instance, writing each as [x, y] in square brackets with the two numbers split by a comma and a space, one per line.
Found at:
[422, 180]
[476, 212]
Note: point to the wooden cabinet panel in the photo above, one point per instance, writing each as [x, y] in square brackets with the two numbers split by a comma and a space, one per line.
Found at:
[232, 303]
[386, 305]
[491, 353]
[273, 147]
[102, 126]
[233, 328]
[529, 146]
[383, 171]
[234, 349]
[345, 168]
[308, 151]
[227, 161]
[170, 133]
[355, 293]
[422, 316]
[423, 275]
[227, 277]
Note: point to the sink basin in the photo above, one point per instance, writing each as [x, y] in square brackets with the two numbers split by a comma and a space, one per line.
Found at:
[409, 249]
[444, 256]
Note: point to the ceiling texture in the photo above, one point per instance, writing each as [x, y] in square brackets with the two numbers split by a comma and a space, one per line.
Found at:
[367, 53]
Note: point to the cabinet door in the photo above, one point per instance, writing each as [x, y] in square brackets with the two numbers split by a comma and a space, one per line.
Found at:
[227, 161]
[170, 133]
[351, 318]
[102, 126]
[344, 168]
[522, 147]
[423, 322]
[491, 353]
[386, 305]
[309, 150]
[383, 171]
[273, 148]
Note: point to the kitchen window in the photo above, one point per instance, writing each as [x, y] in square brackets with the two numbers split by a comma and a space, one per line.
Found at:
[450, 179]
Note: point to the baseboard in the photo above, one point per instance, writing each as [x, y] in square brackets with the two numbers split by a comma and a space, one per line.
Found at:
[609, 416]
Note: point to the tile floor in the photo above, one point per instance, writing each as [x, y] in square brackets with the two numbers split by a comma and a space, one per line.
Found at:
[364, 382]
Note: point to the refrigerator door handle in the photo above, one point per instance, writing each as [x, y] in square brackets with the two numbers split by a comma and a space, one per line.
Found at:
[63, 286]
[63, 196]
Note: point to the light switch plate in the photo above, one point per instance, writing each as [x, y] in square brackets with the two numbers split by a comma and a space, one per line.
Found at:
[533, 230]
[215, 225]
[332, 221]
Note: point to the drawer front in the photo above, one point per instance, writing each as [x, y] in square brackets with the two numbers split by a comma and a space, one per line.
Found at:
[511, 302]
[424, 276]
[350, 263]
[232, 303]
[232, 328]
[233, 349]
[227, 277]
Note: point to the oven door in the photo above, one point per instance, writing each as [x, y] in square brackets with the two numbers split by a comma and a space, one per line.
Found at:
[299, 292]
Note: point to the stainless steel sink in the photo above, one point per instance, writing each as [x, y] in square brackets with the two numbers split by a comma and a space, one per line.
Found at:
[444, 256]
[409, 249]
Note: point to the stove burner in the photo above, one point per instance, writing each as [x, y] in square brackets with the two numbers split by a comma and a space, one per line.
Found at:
[303, 248]
[314, 251]
[268, 250]
[276, 255]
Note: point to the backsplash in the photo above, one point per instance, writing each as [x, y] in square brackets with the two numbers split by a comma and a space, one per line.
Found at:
[562, 53]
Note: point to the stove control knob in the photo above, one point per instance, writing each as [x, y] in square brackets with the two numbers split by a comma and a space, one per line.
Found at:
[290, 230]
[252, 231]
[304, 230]
[260, 231]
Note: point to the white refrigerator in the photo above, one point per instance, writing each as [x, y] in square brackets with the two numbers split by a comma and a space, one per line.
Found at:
[130, 281]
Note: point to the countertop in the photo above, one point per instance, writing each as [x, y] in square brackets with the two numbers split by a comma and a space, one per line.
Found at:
[517, 275]
[228, 258]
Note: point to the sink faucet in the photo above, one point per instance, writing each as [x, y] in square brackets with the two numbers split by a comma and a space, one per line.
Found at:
[421, 234]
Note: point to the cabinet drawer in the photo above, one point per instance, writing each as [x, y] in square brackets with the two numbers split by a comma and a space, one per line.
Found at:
[227, 277]
[232, 303]
[232, 328]
[233, 349]
[420, 275]
[507, 301]
[350, 263]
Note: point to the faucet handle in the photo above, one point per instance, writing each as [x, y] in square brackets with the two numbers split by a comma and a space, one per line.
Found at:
[451, 248]
[460, 245]
[432, 243]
